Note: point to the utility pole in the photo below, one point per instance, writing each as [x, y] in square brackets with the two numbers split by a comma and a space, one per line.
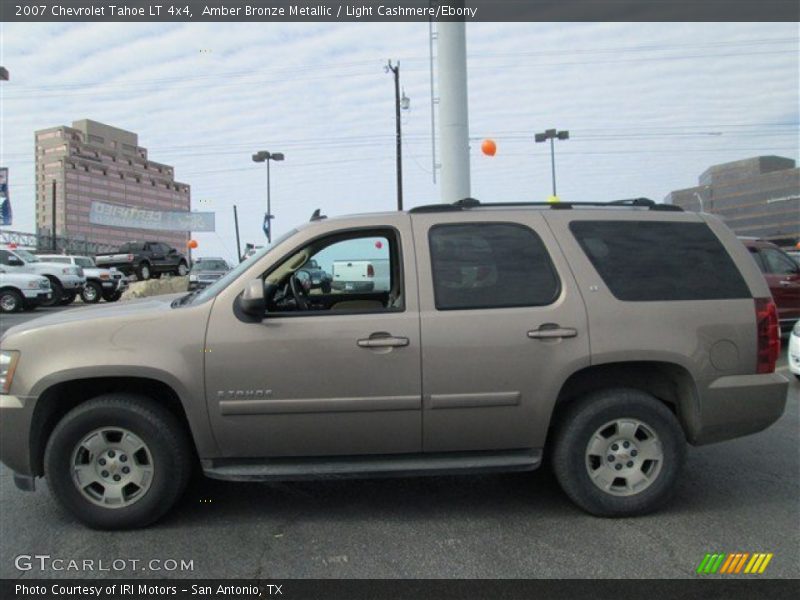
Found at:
[236, 225]
[395, 69]
[552, 135]
[453, 110]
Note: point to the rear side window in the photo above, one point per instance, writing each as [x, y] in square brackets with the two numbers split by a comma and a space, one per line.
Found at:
[646, 260]
[490, 265]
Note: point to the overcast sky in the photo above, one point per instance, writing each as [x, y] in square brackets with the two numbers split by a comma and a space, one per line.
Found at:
[648, 106]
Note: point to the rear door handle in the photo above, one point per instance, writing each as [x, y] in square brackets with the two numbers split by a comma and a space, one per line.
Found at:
[551, 331]
[383, 341]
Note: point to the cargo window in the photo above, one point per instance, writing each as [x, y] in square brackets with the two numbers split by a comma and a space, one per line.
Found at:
[656, 260]
[490, 265]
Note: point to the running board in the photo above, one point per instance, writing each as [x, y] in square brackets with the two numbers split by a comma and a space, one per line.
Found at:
[400, 465]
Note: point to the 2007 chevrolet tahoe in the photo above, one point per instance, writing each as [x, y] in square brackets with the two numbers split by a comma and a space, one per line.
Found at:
[601, 337]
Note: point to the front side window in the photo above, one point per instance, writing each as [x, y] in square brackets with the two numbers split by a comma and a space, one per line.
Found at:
[355, 271]
[490, 265]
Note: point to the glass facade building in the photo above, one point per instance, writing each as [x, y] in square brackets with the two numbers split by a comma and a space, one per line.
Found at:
[756, 197]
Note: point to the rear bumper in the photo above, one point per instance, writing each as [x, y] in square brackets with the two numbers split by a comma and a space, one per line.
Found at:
[739, 405]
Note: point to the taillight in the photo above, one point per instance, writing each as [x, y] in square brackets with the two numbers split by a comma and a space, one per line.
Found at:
[768, 333]
[370, 271]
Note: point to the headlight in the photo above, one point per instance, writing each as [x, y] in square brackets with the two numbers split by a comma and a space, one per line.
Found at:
[796, 329]
[192, 277]
[34, 285]
[105, 276]
[8, 362]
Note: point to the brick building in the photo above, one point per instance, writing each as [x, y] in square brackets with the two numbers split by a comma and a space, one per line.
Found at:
[91, 162]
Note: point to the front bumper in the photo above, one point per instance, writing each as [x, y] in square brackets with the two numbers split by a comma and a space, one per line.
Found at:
[739, 405]
[34, 296]
[16, 413]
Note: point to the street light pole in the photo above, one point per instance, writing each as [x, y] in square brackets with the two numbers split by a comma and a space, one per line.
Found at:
[552, 135]
[398, 104]
[264, 156]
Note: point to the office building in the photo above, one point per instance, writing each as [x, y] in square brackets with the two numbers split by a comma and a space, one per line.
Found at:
[756, 197]
[92, 162]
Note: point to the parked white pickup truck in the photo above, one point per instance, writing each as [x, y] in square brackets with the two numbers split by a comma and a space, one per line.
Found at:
[67, 281]
[362, 275]
[20, 291]
[107, 284]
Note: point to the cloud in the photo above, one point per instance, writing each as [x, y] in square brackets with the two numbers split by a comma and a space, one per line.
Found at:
[649, 107]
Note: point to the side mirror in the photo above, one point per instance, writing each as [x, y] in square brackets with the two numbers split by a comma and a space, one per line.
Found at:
[252, 300]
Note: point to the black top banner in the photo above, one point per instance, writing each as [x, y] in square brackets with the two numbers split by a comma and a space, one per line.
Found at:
[137, 11]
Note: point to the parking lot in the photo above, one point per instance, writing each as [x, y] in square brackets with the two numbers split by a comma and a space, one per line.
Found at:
[739, 496]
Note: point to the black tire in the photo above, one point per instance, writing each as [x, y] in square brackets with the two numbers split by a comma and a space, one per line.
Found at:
[92, 292]
[144, 271]
[166, 440]
[182, 266]
[577, 425]
[57, 293]
[112, 296]
[326, 288]
[11, 301]
[67, 298]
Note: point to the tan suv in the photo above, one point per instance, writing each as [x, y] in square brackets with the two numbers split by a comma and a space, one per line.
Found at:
[604, 337]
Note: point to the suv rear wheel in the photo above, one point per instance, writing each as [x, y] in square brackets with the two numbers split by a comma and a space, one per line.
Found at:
[618, 452]
[118, 461]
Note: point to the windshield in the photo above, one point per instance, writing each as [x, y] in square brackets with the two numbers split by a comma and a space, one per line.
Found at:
[83, 261]
[220, 284]
[210, 265]
[26, 256]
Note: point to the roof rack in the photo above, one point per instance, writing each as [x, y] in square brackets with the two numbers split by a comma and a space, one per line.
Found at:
[467, 203]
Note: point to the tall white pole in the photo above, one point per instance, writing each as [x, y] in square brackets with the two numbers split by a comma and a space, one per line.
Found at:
[453, 111]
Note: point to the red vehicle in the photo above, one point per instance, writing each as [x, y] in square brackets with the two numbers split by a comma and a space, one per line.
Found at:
[783, 276]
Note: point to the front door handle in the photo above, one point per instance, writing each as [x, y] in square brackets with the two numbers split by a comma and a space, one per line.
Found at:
[383, 341]
[786, 283]
[550, 331]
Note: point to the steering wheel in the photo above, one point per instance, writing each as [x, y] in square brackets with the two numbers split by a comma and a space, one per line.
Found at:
[298, 291]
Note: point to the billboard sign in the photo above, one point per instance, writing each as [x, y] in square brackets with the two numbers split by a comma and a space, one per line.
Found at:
[6, 216]
[116, 215]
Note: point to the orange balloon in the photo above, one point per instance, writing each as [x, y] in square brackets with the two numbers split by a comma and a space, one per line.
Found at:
[489, 148]
[191, 244]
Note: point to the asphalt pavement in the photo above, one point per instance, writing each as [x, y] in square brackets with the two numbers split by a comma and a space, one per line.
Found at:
[738, 496]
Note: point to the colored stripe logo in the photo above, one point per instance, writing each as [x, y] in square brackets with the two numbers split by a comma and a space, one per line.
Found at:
[735, 563]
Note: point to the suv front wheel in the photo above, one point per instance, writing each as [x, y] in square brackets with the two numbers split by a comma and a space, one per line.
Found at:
[118, 461]
[618, 452]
